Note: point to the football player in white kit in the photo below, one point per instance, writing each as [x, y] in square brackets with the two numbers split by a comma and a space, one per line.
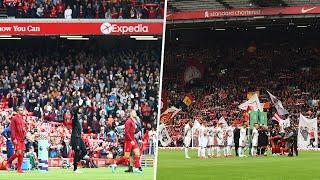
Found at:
[210, 141]
[215, 141]
[220, 139]
[255, 135]
[225, 140]
[242, 140]
[229, 140]
[196, 130]
[187, 138]
[203, 139]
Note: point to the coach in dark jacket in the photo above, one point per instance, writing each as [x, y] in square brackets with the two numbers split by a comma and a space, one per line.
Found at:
[236, 137]
[76, 142]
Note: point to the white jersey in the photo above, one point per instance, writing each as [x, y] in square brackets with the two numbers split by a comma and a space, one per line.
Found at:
[230, 138]
[255, 135]
[187, 135]
[197, 130]
[243, 137]
[220, 136]
[203, 132]
[187, 131]
[210, 136]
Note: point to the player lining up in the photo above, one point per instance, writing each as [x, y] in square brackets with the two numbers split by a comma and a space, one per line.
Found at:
[203, 132]
[187, 138]
[255, 135]
[242, 140]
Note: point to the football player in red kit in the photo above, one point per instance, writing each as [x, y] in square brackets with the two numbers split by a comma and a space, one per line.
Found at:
[18, 135]
[130, 144]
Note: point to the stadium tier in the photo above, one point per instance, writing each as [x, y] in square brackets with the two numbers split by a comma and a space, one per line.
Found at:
[105, 77]
[222, 69]
[192, 5]
[99, 9]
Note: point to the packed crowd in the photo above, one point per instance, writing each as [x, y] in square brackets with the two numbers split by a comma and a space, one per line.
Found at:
[288, 71]
[98, 9]
[107, 84]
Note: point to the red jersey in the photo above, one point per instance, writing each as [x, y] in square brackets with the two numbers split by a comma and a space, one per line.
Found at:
[18, 127]
[129, 130]
[60, 8]
[146, 110]
[152, 14]
[312, 135]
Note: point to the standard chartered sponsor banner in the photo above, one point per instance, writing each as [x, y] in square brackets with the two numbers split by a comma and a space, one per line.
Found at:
[244, 12]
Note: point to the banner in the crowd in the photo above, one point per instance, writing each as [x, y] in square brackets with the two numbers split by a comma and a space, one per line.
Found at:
[164, 136]
[187, 100]
[284, 124]
[166, 117]
[244, 12]
[278, 104]
[254, 117]
[263, 118]
[307, 132]
[194, 70]
[80, 27]
[258, 117]
[252, 103]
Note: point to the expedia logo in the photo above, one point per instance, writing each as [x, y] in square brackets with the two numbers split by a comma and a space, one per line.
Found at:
[107, 28]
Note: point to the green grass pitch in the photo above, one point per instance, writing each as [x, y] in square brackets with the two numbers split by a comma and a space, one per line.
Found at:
[172, 165]
[87, 174]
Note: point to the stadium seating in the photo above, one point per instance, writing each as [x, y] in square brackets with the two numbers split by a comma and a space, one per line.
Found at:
[187, 5]
[301, 2]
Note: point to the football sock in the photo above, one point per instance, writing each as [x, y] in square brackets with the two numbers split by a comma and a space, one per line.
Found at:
[20, 160]
[186, 152]
[137, 161]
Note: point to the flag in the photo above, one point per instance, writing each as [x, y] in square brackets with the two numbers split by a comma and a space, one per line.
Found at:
[164, 136]
[263, 118]
[284, 124]
[250, 94]
[223, 121]
[252, 103]
[276, 117]
[278, 104]
[187, 100]
[166, 116]
[307, 129]
[254, 116]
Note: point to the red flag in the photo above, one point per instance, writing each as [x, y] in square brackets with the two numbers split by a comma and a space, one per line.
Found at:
[276, 117]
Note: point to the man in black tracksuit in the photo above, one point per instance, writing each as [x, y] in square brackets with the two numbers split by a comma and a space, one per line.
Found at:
[291, 138]
[76, 142]
[236, 137]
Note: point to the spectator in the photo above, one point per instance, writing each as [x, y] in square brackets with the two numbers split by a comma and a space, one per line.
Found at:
[68, 13]
[40, 11]
[152, 141]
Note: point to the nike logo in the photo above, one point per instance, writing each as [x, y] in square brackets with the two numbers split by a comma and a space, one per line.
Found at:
[303, 11]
